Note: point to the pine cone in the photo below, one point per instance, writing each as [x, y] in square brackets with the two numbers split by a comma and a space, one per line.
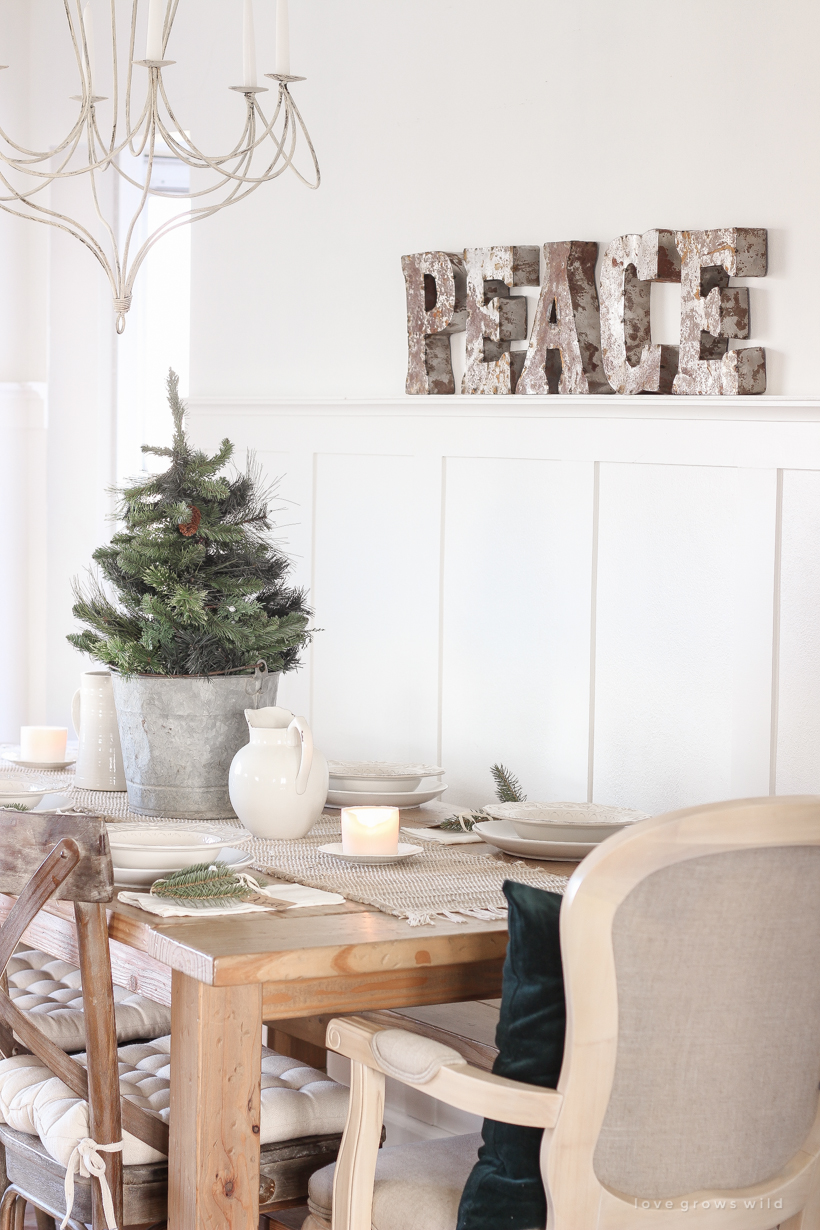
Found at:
[190, 527]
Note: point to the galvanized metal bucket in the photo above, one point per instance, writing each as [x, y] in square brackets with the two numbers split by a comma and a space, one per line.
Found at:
[179, 735]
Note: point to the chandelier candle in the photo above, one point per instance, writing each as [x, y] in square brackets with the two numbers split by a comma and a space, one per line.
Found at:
[43, 743]
[282, 39]
[156, 22]
[88, 26]
[370, 830]
[248, 46]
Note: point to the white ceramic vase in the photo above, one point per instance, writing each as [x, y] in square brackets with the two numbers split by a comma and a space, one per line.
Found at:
[278, 781]
[99, 754]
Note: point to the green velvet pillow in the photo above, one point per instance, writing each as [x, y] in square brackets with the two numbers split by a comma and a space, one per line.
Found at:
[505, 1187]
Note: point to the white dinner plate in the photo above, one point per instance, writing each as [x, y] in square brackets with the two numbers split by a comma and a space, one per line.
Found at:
[51, 766]
[500, 833]
[377, 776]
[167, 848]
[393, 798]
[14, 792]
[404, 851]
[143, 877]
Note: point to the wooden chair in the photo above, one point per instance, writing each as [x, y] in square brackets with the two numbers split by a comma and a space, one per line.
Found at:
[691, 950]
[67, 857]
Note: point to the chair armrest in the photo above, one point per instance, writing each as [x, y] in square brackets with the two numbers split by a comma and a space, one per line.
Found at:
[455, 1082]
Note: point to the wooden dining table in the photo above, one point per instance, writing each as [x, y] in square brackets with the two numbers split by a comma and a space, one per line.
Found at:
[225, 977]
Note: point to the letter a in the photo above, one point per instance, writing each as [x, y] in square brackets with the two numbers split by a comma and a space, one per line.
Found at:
[566, 335]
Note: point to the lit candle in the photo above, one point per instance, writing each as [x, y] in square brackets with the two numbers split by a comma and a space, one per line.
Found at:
[156, 23]
[43, 743]
[248, 45]
[282, 39]
[88, 25]
[370, 830]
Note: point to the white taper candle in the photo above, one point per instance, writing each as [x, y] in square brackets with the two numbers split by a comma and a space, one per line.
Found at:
[248, 46]
[88, 26]
[282, 38]
[156, 23]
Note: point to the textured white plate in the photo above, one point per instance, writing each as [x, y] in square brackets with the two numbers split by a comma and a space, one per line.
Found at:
[393, 798]
[47, 766]
[588, 822]
[144, 877]
[164, 849]
[380, 769]
[500, 833]
[24, 794]
[404, 851]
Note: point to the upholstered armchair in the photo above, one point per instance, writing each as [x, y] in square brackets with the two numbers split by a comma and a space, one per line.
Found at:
[691, 955]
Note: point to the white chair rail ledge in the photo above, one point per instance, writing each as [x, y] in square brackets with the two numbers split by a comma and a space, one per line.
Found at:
[690, 945]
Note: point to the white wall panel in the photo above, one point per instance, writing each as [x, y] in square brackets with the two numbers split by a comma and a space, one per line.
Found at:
[375, 591]
[798, 722]
[683, 659]
[516, 625]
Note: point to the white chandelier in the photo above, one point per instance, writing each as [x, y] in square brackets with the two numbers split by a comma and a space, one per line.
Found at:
[265, 149]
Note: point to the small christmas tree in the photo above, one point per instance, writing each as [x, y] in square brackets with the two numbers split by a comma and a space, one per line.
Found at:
[198, 584]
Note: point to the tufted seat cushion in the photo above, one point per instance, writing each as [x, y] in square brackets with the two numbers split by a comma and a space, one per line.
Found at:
[50, 990]
[417, 1187]
[297, 1100]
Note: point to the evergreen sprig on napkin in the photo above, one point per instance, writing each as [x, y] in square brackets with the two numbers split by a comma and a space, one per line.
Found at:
[507, 785]
[204, 881]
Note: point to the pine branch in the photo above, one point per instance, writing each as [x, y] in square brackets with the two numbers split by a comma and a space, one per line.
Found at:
[203, 881]
[507, 785]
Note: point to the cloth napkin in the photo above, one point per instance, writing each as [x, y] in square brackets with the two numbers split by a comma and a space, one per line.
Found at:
[174, 907]
[445, 837]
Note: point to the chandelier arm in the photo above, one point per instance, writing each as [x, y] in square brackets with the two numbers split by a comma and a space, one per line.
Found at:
[71, 228]
[45, 177]
[184, 152]
[210, 162]
[130, 74]
[170, 18]
[115, 106]
[306, 135]
[139, 208]
[115, 267]
[207, 164]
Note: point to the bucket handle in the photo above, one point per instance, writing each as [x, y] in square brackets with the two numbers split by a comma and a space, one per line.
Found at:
[306, 742]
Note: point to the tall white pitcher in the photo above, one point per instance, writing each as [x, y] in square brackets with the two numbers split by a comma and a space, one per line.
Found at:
[278, 781]
[99, 756]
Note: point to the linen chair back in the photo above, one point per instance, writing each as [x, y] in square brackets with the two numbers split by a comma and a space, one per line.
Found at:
[691, 947]
[43, 856]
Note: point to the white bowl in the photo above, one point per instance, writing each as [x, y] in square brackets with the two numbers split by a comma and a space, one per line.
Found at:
[144, 877]
[379, 776]
[164, 849]
[13, 791]
[374, 785]
[567, 822]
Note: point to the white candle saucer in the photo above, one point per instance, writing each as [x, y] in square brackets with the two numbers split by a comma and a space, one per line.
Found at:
[404, 851]
[49, 766]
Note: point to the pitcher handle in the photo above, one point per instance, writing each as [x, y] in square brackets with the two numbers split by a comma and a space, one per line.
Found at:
[75, 711]
[306, 740]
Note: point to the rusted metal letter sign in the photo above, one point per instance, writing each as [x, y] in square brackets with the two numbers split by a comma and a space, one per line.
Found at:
[576, 346]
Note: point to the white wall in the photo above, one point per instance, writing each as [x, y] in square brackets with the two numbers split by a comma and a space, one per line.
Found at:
[617, 599]
[452, 123]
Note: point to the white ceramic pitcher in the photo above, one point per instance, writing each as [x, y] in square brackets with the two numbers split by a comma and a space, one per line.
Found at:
[99, 755]
[278, 781]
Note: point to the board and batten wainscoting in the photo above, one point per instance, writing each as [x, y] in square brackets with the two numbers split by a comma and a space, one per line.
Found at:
[617, 597]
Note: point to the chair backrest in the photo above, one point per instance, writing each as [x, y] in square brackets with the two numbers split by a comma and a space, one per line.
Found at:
[44, 856]
[691, 948]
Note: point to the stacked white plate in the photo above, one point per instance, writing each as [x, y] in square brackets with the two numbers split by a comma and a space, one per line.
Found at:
[553, 830]
[142, 854]
[14, 792]
[380, 783]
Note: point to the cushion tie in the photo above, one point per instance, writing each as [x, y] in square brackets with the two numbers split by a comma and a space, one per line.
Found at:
[85, 1157]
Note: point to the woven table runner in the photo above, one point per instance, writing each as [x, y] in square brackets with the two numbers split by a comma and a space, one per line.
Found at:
[443, 883]
[450, 883]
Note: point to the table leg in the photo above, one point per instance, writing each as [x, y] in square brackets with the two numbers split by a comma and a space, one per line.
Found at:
[216, 1049]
